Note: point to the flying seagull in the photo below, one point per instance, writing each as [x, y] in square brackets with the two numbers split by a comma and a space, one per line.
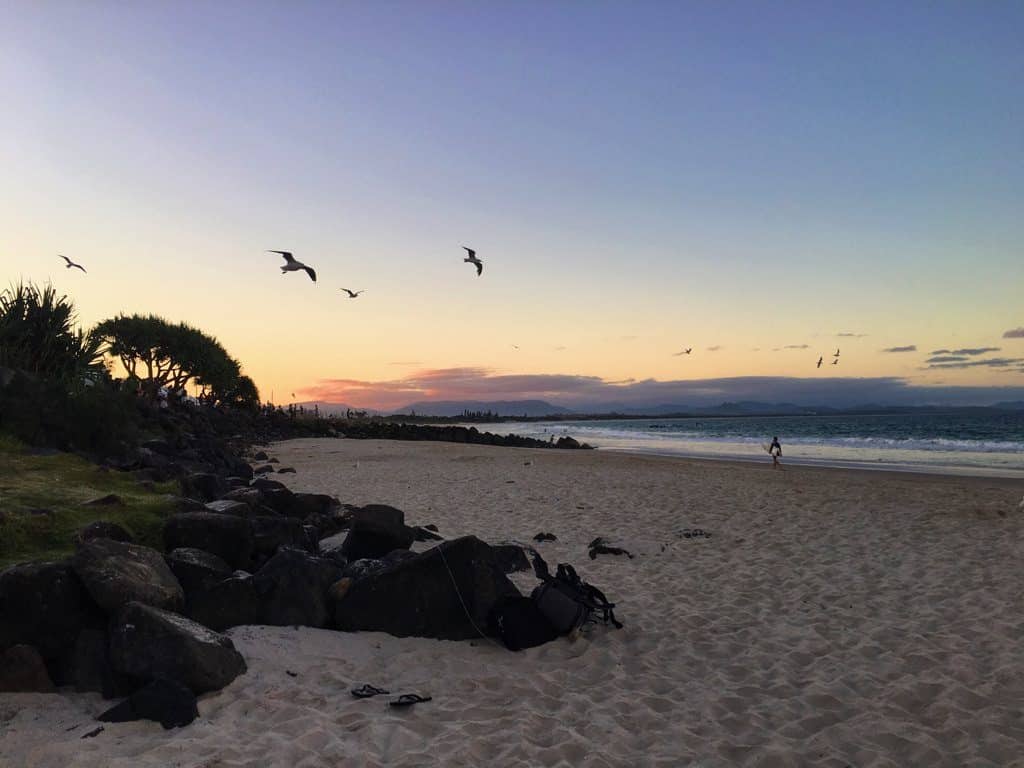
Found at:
[291, 265]
[837, 352]
[515, 346]
[472, 259]
[686, 351]
[819, 361]
[836, 361]
[352, 294]
[71, 264]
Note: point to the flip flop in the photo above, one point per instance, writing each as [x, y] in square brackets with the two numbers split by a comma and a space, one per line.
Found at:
[408, 699]
[367, 691]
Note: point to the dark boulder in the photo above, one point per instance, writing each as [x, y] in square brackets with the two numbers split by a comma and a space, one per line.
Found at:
[116, 573]
[91, 668]
[44, 605]
[228, 507]
[226, 536]
[265, 484]
[205, 486]
[429, 595]
[306, 504]
[380, 514]
[251, 496]
[151, 644]
[169, 703]
[269, 533]
[22, 670]
[511, 557]
[230, 602]
[197, 569]
[376, 529]
[286, 470]
[292, 587]
[567, 442]
[425, 534]
[329, 523]
[260, 456]
[234, 482]
[102, 529]
[282, 501]
[263, 469]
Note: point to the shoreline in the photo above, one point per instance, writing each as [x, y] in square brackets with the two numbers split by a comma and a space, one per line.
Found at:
[895, 468]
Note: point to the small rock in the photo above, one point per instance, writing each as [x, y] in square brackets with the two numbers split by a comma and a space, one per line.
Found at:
[286, 470]
[169, 703]
[545, 537]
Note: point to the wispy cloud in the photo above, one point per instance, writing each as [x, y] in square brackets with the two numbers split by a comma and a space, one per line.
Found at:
[908, 348]
[851, 335]
[797, 346]
[941, 352]
[974, 351]
[946, 359]
[406, 362]
[715, 348]
[560, 349]
[992, 362]
[1014, 333]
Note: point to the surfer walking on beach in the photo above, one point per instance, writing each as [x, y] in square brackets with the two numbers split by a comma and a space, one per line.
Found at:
[775, 450]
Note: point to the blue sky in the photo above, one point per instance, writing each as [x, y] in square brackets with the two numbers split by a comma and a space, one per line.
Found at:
[730, 174]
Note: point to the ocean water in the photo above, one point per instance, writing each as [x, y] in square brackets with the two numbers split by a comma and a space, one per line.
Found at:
[980, 443]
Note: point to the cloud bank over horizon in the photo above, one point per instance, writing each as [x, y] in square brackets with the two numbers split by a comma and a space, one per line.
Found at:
[592, 393]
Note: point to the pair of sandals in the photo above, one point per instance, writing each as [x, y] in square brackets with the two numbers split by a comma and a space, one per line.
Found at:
[405, 700]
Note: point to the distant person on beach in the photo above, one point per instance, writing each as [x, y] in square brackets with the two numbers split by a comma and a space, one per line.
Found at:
[776, 451]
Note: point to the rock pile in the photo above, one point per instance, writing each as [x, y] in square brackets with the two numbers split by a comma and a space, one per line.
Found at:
[123, 619]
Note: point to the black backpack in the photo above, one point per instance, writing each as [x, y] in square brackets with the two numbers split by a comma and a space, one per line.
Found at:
[518, 622]
[568, 602]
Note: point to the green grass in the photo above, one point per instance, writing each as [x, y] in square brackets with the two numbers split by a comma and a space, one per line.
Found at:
[61, 483]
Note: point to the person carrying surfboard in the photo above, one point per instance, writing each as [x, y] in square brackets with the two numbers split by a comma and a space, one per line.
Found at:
[775, 450]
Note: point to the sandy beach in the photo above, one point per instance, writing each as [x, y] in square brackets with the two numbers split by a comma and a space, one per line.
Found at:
[832, 618]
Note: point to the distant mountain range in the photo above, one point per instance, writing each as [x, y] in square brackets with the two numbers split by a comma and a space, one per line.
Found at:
[529, 408]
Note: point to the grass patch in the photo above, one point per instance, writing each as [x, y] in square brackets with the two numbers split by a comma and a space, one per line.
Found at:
[42, 500]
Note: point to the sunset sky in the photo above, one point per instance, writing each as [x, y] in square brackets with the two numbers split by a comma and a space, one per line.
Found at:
[762, 183]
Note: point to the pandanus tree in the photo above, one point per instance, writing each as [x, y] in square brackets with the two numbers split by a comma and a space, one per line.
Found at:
[38, 335]
[159, 354]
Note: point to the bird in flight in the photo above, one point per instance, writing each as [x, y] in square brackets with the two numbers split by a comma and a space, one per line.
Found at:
[836, 361]
[515, 346]
[291, 265]
[472, 259]
[686, 351]
[819, 361]
[352, 294]
[837, 352]
[71, 264]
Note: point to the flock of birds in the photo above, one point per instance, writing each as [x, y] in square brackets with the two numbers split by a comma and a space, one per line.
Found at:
[291, 264]
[834, 362]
